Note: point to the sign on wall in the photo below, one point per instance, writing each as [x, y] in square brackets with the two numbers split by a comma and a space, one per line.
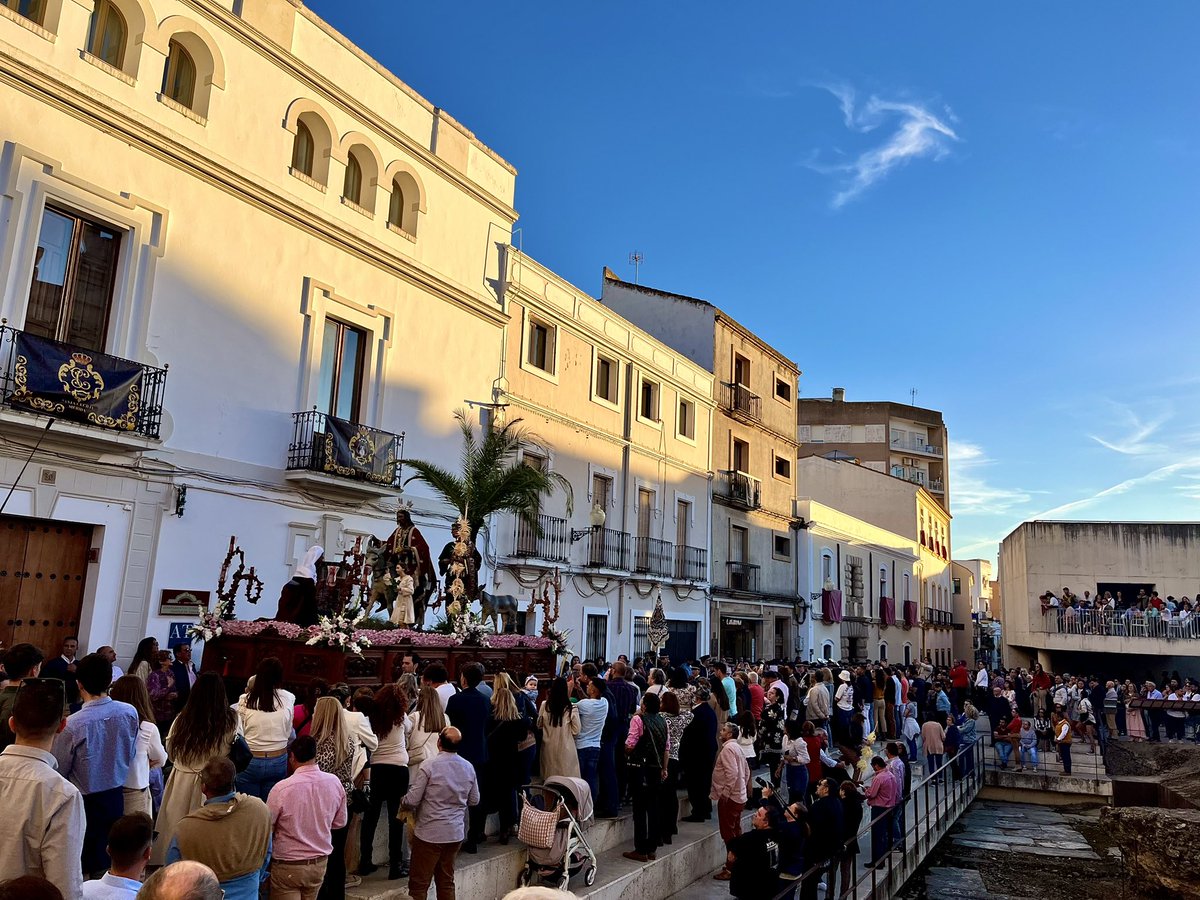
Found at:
[178, 634]
[178, 602]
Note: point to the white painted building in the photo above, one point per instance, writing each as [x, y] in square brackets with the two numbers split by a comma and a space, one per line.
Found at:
[235, 191]
[627, 422]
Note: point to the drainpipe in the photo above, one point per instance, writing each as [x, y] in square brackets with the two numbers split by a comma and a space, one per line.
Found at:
[627, 435]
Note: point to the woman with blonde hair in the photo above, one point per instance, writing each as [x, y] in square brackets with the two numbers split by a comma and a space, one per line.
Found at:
[407, 685]
[336, 746]
[506, 729]
[428, 719]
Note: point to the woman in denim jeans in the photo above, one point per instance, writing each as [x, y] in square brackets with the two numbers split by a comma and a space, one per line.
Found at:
[265, 720]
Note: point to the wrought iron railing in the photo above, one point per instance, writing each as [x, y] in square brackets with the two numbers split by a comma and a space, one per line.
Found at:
[140, 414]
[742, 576]
[608, 549]
[551, 544]
[942, 617]
[739, 489]
[691, 563]
[652, 556]
[739, 399]
[314, 448]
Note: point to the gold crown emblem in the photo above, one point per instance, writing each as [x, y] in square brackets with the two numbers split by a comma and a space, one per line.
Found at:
[82, 358]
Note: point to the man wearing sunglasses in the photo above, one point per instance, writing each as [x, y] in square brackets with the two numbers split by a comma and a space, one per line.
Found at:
[48, 807]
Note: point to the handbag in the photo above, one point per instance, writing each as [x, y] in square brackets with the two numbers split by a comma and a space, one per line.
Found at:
[239, 753]
[536, 828]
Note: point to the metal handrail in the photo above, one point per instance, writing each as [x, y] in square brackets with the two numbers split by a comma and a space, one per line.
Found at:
[740, 488]
[691, 563]
[1119, 623]
[949, 801]
[608, 549]
[552, 543]
[740, 399]
[742, 576]
[311, 445]
[653, 556]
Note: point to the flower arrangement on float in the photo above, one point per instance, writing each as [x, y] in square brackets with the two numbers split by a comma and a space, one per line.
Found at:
[385, 637]
[340, 631]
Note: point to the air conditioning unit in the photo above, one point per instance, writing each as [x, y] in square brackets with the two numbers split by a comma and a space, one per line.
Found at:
[909, 461]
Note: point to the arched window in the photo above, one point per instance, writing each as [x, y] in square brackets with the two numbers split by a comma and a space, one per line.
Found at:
[908, 654]
[304, 150]
[34, 10]
[179, 80]
[107, 34]
[883, 651]
[827, 650]
[827, 569]
[883, 581]
[907, 596]
[352, 184]
[396, 206]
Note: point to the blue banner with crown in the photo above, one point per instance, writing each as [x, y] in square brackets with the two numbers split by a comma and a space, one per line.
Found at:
[59, 379]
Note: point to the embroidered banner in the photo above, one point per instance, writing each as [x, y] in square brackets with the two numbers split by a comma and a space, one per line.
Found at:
[60, 380]
[357, 451]
[831, 606]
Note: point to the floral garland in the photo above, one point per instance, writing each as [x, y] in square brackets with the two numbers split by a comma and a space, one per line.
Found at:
[471, 629]
[560, 641]
[340, 631]
[389, 637]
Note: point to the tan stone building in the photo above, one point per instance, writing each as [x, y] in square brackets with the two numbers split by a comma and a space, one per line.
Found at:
[1099, 557]
[754, 556]
[907, 442]
[903, 508]
[627, 421]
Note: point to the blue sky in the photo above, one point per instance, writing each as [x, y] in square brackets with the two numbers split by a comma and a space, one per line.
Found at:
[995, 204]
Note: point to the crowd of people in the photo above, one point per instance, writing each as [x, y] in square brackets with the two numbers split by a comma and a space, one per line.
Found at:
[262, 790]
[1112, 614]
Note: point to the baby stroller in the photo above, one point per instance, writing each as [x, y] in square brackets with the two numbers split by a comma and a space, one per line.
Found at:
[558, 849]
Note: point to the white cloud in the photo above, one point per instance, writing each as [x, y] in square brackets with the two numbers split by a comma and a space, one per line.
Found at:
[1135, 438]
[918, 134]
[1160, 474]
[970, 491]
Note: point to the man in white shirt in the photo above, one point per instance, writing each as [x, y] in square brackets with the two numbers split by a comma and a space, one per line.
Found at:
[111, 655]
[46, 808]
[436, 677]
[129, 843]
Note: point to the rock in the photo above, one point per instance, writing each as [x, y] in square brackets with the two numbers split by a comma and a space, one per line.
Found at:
[1142, 833]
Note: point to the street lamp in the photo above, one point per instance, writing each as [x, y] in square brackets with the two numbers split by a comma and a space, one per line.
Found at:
[595, 518]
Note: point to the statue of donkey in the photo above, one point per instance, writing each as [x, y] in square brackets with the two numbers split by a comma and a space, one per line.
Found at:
[500, 607]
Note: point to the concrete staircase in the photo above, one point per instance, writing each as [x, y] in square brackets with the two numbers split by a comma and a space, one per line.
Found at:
[496, 869]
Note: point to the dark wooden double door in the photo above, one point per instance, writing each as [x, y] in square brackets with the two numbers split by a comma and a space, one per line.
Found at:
[43, 572]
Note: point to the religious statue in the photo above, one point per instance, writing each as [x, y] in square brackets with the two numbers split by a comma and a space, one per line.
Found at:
[402, 607]
[298, 599]
[407, 553]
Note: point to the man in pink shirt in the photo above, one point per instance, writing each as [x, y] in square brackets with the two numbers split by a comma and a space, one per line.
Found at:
[883, 793]
[305, 808]
[730, 787]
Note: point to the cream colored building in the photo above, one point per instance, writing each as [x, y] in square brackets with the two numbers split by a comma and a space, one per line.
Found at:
[755, 565]
[627, 421]
[873, 570]
[1098, 557]
[906, 509]
[234, 190]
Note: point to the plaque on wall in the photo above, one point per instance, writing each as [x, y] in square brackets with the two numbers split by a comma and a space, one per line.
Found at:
[182, 602]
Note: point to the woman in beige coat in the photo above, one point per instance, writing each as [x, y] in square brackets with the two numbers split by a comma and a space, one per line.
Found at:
[558, 720]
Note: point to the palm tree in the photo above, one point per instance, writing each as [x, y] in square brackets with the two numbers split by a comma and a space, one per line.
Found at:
[492, 479]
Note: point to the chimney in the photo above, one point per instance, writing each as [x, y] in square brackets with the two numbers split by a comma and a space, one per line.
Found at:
[839, 395]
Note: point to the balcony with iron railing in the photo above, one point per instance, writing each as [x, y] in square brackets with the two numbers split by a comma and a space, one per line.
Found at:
[738, 489]
[330, 452]
[1131, 623]
[549, 541]
[608, 549]
[738, 399]
[742, 576]
[107, 395]
[691, 563]
[653, 557]
[941, 618]
[936, 486]
[915, 444]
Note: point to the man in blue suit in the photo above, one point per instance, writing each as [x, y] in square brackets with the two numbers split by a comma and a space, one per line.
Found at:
[469, 711]
[697, 753]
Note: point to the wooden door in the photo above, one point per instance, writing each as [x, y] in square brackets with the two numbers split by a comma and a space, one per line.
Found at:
[43, 571]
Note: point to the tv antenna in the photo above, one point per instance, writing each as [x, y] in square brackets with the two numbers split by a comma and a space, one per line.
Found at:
[635, 260]
[912, 396]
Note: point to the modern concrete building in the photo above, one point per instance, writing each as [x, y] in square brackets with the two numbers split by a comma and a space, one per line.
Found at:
[1099, 557]
[902, 508]
[627, 421]
[907, 442]
[239, 193]
[754, 563]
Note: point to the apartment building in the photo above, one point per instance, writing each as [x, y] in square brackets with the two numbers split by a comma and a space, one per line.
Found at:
[907, 442]
[902, 508]
[279, 260]
[756, 611]
[972, 579]
[858, 579]
[627, 421]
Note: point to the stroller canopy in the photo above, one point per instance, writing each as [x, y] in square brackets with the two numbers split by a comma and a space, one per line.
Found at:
[578, 790]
